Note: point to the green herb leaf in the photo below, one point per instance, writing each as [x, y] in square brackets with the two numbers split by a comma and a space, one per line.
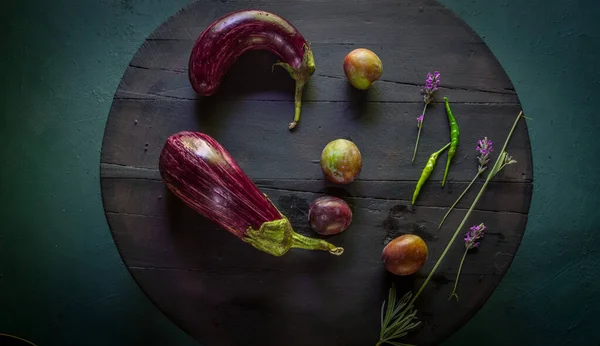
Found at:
[399, 318]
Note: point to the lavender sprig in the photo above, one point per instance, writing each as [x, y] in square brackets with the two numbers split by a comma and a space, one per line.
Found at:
[471, 242]
[431, 86]
[484, 147]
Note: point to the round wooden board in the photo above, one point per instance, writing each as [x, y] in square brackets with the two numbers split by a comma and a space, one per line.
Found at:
[224, 292]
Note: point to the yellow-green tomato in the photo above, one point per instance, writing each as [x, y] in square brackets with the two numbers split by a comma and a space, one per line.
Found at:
[405, 255]
[341, 161]
[362, 67]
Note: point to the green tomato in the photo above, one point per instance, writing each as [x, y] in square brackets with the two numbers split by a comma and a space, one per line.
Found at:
[341, 161]
[362, 67]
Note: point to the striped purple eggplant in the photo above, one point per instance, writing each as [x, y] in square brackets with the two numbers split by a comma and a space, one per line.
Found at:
[230, 36]
[198, 170]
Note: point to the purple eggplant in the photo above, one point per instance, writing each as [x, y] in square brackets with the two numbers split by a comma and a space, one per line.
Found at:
[230, 36]
[198, 170]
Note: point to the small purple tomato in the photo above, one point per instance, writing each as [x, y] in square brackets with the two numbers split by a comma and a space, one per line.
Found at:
[329, 215]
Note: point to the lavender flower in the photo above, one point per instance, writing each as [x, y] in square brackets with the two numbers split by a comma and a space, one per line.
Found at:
[484, 146]
[431, 85]
[420, 120]
[474, 234]
[471, 237]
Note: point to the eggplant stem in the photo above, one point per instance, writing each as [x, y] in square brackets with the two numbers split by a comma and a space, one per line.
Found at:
[301, 75]
[302, 242]
[297, 104]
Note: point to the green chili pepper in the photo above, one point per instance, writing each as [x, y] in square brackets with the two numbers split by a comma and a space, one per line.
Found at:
[454, 135]
[427, 171]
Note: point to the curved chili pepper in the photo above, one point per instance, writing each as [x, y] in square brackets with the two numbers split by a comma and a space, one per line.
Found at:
[427, 171]
[454, 135]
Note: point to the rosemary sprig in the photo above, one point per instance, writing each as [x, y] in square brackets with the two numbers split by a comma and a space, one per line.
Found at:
[398, 318]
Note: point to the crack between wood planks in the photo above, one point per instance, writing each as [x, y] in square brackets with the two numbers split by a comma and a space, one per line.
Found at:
[403, 201]
[227, 270]
[262, 183]
[242, 270]
[116, 167]
[113, 212]
[246, 270]
[509, 91]
[154, 97]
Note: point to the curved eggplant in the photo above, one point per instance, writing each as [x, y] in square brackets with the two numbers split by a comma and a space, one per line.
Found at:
[230, 36]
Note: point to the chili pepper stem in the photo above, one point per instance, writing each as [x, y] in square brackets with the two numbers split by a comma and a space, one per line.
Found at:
[459, 198]
[437, 153]
[427, 171]
[458, 276]
[446, 172]
[464, 220]
[454, 138]
[419, 133]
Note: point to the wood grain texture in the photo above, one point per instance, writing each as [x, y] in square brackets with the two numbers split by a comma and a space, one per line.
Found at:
[180, 258]
[255, 131]
[224, 292]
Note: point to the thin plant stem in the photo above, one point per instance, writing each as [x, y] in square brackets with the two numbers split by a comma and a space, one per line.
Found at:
[458, 276]
[464, 220]
[419, 133]
[459, 198]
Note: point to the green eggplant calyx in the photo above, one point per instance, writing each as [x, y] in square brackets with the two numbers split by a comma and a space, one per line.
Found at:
[277, 237]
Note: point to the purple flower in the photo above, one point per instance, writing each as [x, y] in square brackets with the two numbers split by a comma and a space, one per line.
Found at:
[420, 120]
[475, 233]
[484, 146]
[431, 85]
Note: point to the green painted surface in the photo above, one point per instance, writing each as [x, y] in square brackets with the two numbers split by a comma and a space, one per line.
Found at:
[61, 279]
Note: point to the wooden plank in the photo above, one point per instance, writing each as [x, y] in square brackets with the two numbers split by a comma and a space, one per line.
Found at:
[186, 240]
[314, 309]
[364, 22]
[163, 222]
[256, 131]
[219, 278]
[468, 75]
[121, 183]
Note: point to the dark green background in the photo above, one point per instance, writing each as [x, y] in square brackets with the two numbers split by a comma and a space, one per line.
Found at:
[61, 279]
